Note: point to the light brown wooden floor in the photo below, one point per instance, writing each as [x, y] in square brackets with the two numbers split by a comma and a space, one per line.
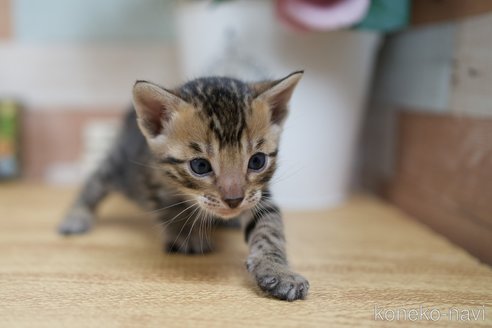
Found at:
[363, 255]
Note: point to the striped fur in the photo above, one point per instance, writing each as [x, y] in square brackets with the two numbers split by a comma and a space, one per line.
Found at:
[224, 122]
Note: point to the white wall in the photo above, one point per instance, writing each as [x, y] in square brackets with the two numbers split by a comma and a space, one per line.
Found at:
[77, 21]
[83, 53]
[48, 75]
[441, 68]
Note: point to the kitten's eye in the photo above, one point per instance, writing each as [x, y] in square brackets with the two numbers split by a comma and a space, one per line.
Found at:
[257, 162]
[200, 166]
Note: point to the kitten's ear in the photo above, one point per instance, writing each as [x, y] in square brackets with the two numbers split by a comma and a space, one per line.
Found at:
[154, 106]
[277, 94]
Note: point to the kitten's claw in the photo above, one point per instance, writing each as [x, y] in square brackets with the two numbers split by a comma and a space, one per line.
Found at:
[278, 281]
[78, 221]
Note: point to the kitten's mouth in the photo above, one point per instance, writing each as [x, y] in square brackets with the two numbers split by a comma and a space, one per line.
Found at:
[214, 207]
[228, 213]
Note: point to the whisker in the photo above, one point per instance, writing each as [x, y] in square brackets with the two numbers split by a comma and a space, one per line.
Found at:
[145, 165]
[285, 175]
[165, 224]
[209, 227]
[272, 205]
[198, 218]
[182, 227]
[167, 207]
[191, 230]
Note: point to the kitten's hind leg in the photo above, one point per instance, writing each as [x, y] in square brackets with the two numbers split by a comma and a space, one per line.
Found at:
[80, 217]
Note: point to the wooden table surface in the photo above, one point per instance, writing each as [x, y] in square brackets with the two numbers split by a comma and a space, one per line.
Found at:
[365, 261]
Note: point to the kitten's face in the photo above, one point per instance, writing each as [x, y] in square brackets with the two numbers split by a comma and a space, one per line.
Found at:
[224, 177]
[216, 139]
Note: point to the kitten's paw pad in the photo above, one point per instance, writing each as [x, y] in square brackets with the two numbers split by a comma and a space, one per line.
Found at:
[190, 247]
[288, 286]
[278, 280]
[77, 221]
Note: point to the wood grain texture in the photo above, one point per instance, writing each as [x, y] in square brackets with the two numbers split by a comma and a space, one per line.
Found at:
[444, 178]
[362, 255]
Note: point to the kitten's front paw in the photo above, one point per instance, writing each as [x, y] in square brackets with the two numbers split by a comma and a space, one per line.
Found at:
[278, 280]
[79, 220]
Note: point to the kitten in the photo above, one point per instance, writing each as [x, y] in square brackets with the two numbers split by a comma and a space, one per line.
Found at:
[204, 151]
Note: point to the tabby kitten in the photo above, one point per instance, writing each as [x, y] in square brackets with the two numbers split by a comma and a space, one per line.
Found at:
[204, 151]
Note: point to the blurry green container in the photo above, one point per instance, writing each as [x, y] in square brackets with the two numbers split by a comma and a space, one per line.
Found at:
[9, 139]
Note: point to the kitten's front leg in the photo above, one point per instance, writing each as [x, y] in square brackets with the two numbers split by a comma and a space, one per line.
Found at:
[267, 260]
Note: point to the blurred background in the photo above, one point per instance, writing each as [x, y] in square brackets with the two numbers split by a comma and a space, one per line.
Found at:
[396, 98]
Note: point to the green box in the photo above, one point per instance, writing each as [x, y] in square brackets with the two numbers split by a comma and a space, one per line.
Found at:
[9, 139]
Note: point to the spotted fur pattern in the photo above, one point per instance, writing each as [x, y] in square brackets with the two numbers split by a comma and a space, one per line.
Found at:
[223, 122]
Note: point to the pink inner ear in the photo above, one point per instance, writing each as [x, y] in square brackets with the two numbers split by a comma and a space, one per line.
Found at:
[152, 115]
[277, 95]
[278, 106]
[278, 98]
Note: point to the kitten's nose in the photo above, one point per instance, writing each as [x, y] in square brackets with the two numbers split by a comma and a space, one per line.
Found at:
[233, 202]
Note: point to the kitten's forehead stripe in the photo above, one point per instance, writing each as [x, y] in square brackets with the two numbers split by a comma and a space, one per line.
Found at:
[196, 147]
[172, 160]
[225, 102]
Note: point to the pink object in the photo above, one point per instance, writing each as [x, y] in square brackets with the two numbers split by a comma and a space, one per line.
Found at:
[322, 15]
